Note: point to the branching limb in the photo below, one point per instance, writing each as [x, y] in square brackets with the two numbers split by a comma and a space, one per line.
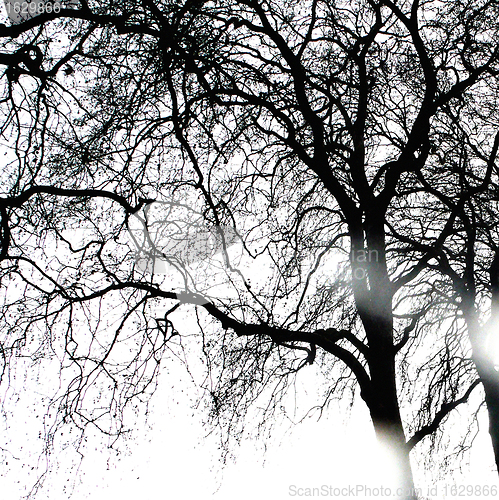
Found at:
[323, 338]
[446, 408]
[17, 201]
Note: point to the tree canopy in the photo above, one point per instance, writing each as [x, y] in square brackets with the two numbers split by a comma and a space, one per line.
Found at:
[332, 165]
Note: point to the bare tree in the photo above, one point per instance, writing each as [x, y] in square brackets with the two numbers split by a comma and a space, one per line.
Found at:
[468, 255]
[318, 132]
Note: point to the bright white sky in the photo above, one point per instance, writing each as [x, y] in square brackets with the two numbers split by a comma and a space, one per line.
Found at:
[173, 461]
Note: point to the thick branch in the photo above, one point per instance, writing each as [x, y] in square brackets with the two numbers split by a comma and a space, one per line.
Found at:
[17, 201]
[440, 415]
[324, 338]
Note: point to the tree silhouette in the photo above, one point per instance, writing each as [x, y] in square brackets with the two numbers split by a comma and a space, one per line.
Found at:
[328, 136]
[469, 257]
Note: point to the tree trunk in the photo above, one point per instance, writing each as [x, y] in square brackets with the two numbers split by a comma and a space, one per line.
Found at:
[488, 376]
[373, 297]
[387, 423]
[383, 401]
[481, 337]
[490, 382]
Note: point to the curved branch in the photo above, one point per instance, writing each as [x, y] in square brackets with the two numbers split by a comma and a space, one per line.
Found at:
[323, 338]
[440, 415]
[17, 201]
